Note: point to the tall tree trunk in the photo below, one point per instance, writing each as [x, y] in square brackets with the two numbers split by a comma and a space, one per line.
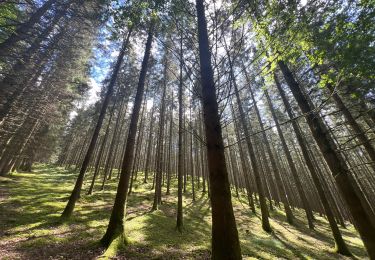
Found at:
[169, 163]
[116, 227]
[255, 165]
[203, 157]
[101, 151]
[245, 167]
[160, 145]
[225, 242]
[114, 142]
[180, 167]
[137, 146]
[149, 145]
[78, 185]
[192, 169]
[279, 181]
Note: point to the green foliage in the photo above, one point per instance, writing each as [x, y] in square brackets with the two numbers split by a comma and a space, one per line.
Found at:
[345, 42]
[336, 37]
[9, 16]
[132, 14]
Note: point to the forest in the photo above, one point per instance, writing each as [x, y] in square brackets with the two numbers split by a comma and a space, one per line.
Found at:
[159, 129]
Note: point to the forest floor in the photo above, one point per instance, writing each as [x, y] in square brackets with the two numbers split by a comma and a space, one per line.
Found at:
[31, 203]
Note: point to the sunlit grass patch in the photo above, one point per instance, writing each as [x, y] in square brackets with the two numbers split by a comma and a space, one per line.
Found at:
[34, 201]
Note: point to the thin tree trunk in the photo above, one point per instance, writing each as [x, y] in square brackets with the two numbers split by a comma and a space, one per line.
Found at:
[191, 158]
[149, 145]
[180, 167]
[101, 151]
[169, 163]
[78, 185]
[279, 181]
[114, 143]
[137, 147]
[245, 167]
[354, 125]
[292, 167]
[160, 145]
[256, 167]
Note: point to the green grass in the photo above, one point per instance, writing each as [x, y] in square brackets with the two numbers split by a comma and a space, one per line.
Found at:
[31, 203]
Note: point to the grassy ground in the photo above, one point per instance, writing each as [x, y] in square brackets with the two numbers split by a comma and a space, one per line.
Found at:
[30, 205]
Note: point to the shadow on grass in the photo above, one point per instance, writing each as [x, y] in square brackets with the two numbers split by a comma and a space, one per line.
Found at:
[29, 217]
[35, 201]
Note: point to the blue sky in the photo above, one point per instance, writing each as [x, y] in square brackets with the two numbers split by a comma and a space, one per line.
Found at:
[104, 53]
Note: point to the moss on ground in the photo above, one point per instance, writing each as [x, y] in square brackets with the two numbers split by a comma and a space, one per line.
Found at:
[31, 203]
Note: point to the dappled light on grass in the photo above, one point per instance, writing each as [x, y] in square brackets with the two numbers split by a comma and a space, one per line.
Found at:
[31, 204]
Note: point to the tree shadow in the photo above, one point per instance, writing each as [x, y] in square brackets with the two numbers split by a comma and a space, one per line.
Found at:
[34, 202]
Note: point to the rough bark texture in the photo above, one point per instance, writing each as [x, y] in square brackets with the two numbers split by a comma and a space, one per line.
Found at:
[225, 242]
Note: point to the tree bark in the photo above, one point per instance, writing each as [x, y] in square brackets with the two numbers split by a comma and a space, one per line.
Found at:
[101, 151]
[180, 167]
[149, 145]
[116, 226]
[160, 145]
[225, 242]
[256, 167]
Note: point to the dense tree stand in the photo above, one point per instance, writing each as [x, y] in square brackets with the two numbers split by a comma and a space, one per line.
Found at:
[336, 163]
[215, 129]
[78, 185]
